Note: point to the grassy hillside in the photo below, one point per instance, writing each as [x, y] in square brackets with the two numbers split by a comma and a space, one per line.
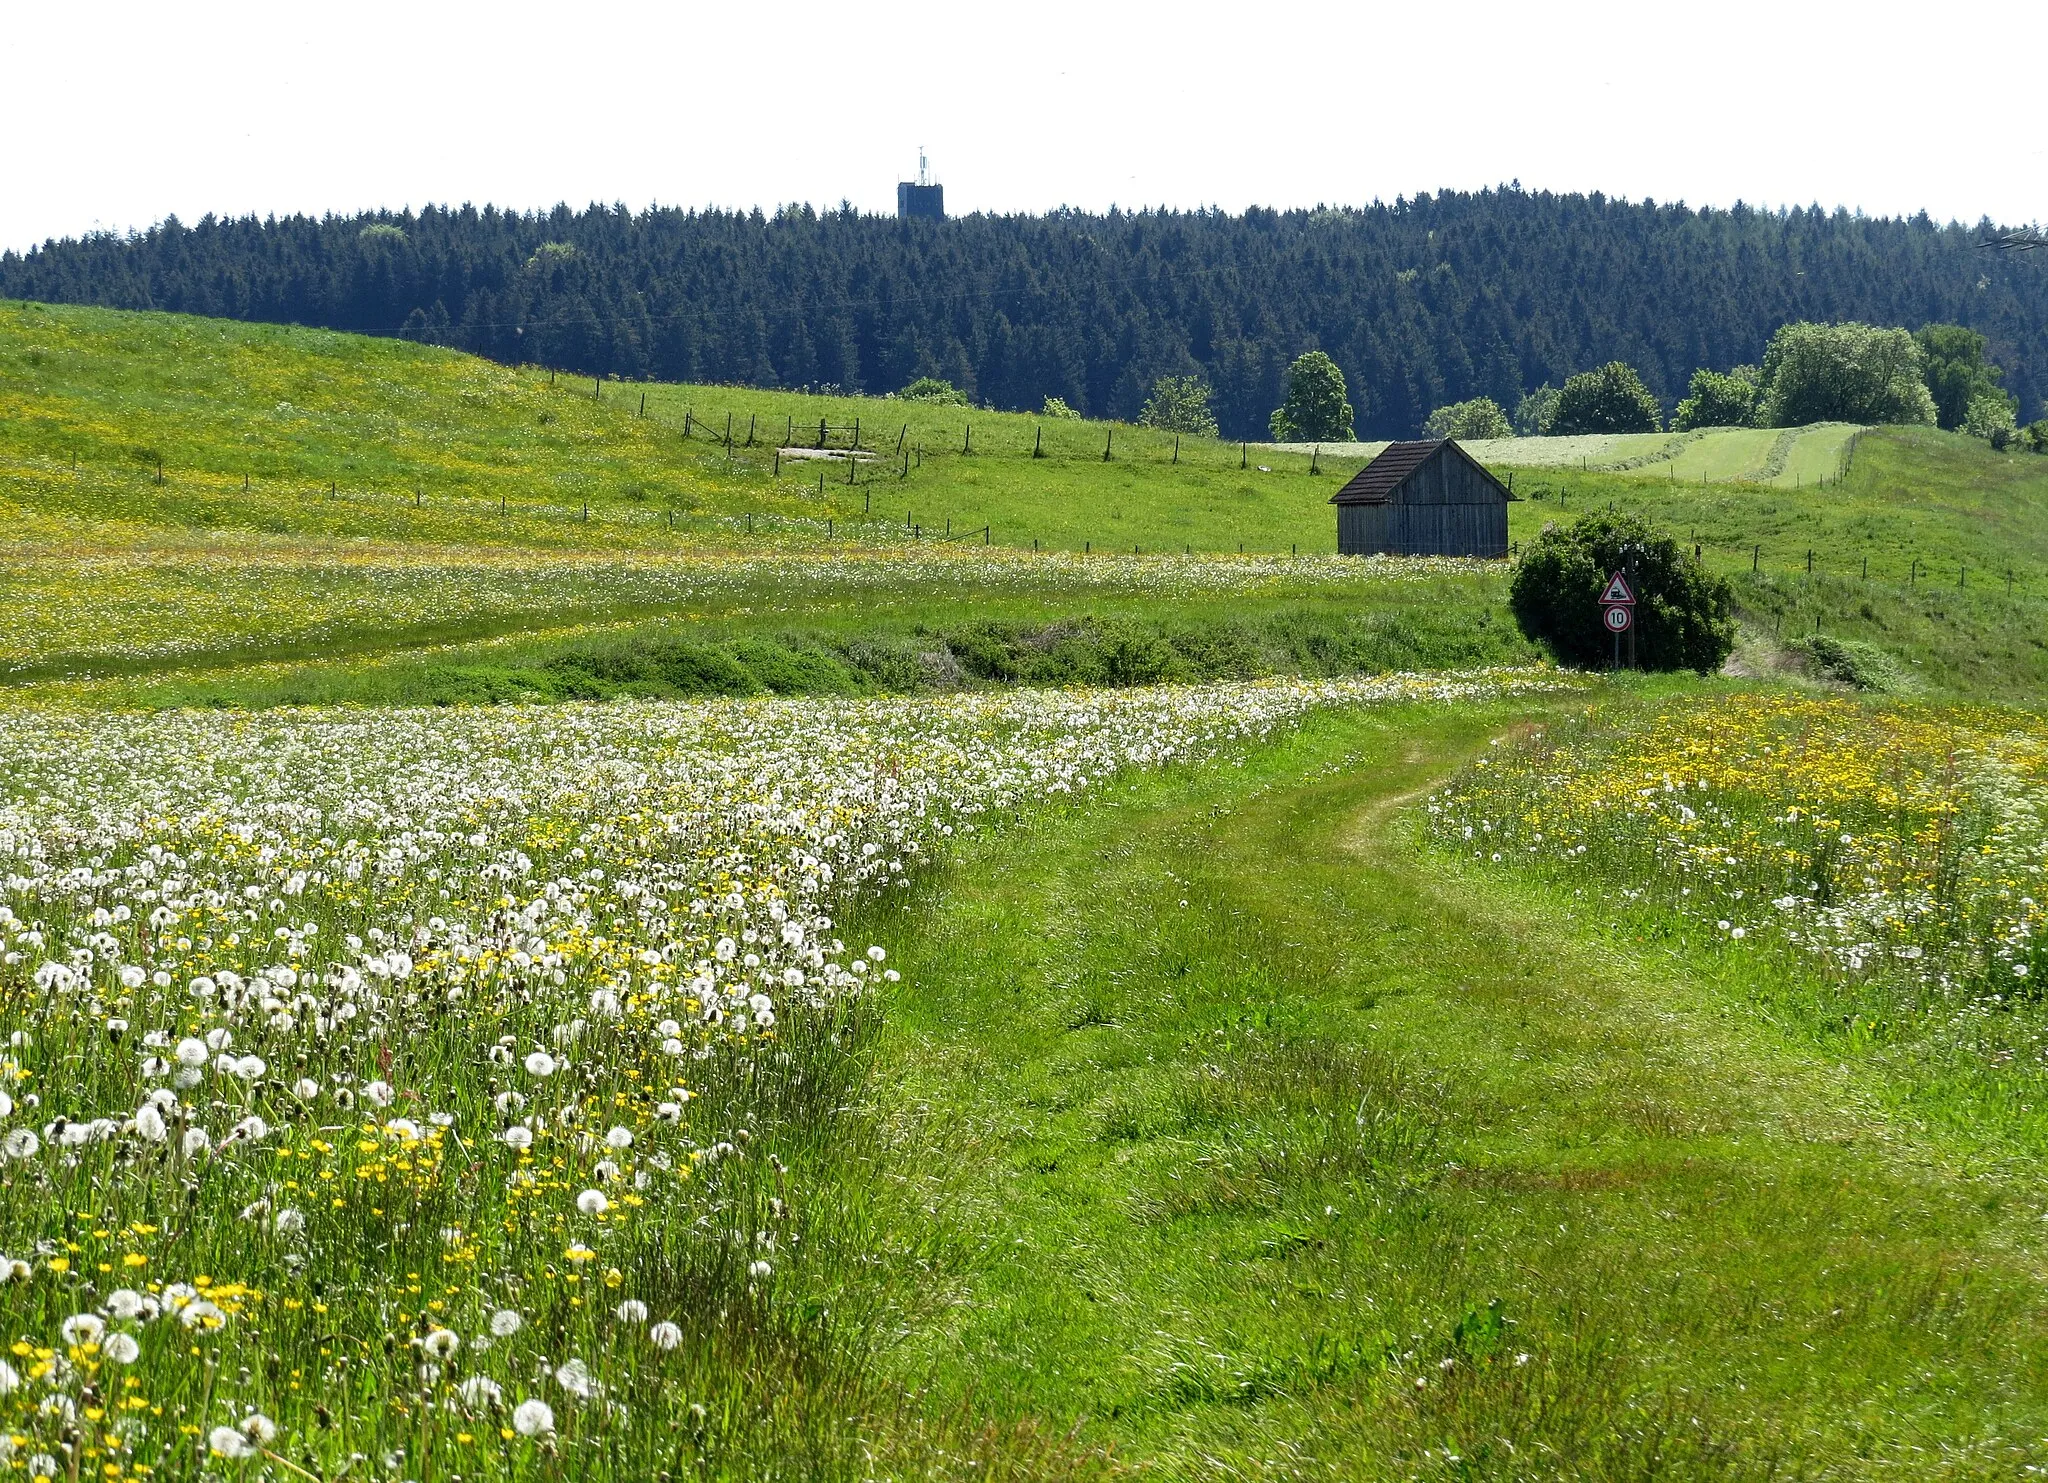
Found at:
[362, 496]
[1057, 1019]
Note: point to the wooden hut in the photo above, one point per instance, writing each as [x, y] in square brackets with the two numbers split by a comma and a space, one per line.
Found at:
[1429, 498]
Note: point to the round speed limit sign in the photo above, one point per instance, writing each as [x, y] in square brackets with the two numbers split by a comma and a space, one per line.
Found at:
[1616, 618]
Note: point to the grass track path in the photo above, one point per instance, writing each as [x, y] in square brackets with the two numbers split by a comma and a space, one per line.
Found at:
[1261, 1144]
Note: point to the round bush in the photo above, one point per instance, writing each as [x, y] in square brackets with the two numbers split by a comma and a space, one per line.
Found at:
[1684, 615]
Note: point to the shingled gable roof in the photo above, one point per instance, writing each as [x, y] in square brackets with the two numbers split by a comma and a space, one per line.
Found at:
[1376, 482]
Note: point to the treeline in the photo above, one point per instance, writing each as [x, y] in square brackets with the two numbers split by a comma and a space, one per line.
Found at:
[1421, 303]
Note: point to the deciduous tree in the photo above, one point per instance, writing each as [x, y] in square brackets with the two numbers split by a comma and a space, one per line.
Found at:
[1612, 399]
[1316, 410]
[1481, 417]
[1842, 373]
[1180, 404]
[1717, 399]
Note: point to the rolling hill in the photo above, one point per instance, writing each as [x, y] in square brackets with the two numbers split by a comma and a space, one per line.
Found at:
[376, 494]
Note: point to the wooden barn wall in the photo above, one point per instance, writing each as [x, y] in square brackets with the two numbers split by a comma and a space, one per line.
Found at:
[1445, 508]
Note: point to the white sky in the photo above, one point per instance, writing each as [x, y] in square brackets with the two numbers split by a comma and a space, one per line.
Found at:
[118, 113]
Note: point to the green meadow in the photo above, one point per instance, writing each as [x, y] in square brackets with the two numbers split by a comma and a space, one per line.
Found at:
[546, 938]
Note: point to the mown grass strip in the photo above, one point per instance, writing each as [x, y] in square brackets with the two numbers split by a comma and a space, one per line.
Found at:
[1255, 1133]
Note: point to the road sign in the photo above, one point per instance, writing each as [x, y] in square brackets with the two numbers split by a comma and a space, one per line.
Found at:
[1617, 618]
[1617, 592]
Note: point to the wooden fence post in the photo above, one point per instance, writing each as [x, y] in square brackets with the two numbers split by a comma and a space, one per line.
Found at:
[1107, 439]
[1038, 443]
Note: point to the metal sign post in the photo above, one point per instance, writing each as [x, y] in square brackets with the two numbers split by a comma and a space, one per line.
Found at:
[1617, 614]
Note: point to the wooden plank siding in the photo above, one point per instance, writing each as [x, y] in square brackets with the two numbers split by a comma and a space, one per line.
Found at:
[1423, 499]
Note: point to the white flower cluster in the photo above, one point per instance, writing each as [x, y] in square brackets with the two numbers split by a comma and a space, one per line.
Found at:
[333, 982]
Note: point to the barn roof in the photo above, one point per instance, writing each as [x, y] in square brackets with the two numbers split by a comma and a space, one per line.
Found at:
[1376, 482]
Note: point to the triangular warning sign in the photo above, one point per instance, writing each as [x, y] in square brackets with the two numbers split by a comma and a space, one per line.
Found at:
[1617, 592]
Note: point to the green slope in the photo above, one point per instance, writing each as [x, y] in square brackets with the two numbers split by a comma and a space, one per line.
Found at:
[327, 494]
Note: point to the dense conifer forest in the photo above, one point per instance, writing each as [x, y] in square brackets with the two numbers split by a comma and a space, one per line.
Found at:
[1421, 302]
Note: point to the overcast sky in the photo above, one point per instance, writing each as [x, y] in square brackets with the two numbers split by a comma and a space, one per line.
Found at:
[119, 113]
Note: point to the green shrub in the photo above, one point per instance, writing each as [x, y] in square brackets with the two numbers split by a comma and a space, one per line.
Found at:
[1057, 407]
[1180, 404]
[932, 389]
[1684, 615]
[1612, 399]
[1990, 417]
[1481, 417]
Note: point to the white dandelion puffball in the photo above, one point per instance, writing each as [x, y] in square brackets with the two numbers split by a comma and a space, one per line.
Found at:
[575, 1377]
[632, 1310]
[149, 1123]
[665, 1335]
[593, 1202]
[289, 1222]
[121, 1349]
[306, 1089]
[533, 1418]
[10, 1378]
[192, 1053]
[479, 1390]
[227, 1442]
[259, 1426]
[619, 1138]
[378, 1093]
[760, 1269]
[517, 1137]
[21, 1144]
[505, 1323]
[540, 1063]
[441, 1343]
[82, 1328]
[196, 1142]
[125, 1303]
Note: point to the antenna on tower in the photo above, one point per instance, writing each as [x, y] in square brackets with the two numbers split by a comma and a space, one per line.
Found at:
[924, 174]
